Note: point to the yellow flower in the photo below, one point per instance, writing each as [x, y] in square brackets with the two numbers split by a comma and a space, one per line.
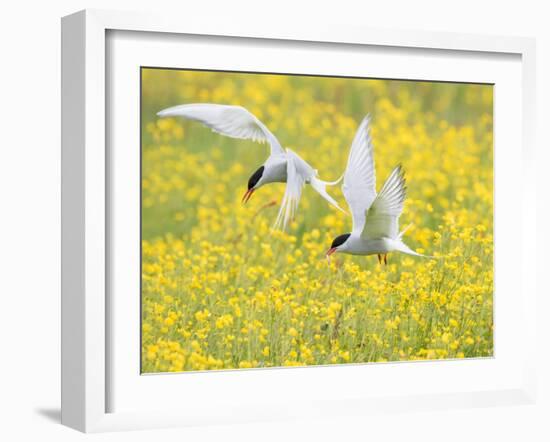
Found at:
[202, 315]
[224, 321]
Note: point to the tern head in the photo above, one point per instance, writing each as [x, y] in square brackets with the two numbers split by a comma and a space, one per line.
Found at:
[339, 244]
[254, 182]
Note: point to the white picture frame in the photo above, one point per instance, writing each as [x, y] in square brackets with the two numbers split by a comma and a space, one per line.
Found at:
[86, 204]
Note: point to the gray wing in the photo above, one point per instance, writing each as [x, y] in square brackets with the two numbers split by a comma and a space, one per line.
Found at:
[382, 217]
[297, 172]
[359, 187]
[231, 121]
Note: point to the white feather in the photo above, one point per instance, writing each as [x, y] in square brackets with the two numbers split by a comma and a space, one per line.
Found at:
[295, 180]
[382, 217]
[359, 187]
[231, 121]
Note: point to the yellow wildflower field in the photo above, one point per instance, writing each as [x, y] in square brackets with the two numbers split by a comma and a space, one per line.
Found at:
[220, 290]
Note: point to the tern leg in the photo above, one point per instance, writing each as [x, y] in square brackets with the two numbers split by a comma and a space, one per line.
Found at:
[385, 259]
[379, 259]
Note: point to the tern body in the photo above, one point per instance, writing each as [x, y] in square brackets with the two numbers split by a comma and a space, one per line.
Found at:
[275, 170]
[355, 245]
[282, 165]
[375, 215]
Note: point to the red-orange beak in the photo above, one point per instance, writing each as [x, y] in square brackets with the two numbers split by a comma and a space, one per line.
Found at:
[330, 251]
[247, 195]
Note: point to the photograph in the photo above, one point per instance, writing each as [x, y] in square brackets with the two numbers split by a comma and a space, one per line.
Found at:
[304, 220]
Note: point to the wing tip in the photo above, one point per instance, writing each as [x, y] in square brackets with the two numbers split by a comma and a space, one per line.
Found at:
[168, 112]
[365, 123]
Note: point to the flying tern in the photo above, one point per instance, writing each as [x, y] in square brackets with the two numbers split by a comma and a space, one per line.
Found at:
[282, 165]
[375, 216]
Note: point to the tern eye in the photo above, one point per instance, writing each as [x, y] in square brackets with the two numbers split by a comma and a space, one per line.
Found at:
[339, 240]
[255, 178]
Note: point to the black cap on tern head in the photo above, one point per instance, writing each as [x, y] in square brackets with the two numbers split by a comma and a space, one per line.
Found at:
[253, 180]
[339, 240]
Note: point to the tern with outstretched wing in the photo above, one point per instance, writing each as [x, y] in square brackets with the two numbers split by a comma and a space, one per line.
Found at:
[282, 165]
[375, 215]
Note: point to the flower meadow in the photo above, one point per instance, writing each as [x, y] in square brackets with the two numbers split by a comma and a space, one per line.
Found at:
[221, 290]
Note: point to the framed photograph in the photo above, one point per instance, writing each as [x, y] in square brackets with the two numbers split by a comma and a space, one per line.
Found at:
[262, 224]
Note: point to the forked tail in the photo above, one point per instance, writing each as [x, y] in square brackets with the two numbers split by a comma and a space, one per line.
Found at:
[333, 183]
[320, 187]
[403, 231]
[404, 248]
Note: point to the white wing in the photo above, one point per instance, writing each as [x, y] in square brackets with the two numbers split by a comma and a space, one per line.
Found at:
[231, 121]
[382, 217]
[297, 171]
[359, 185]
